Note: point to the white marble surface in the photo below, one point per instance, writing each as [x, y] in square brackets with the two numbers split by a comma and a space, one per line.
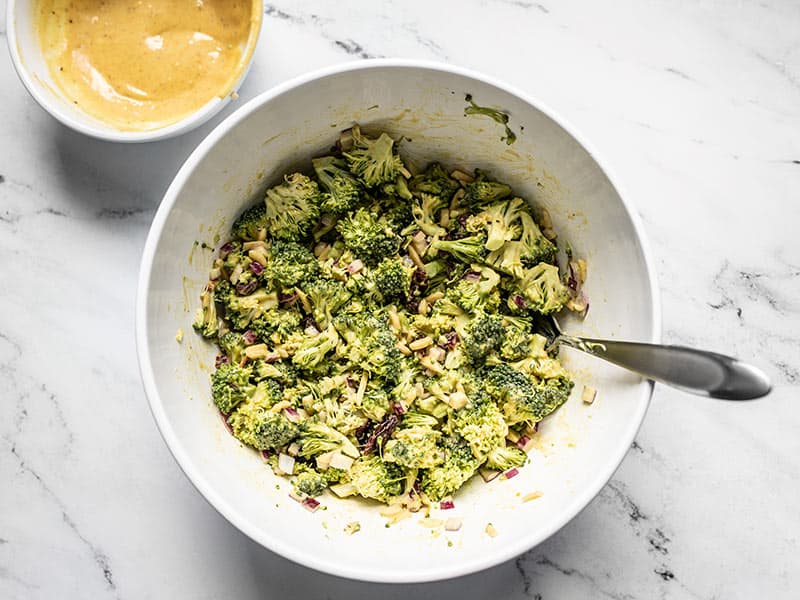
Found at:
[697, 107]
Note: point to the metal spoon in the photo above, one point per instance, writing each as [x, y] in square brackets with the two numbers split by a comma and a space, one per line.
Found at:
[695, 371]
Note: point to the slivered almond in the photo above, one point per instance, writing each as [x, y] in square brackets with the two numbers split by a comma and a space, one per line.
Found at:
[461, 177]
[247, 246]
[589, 394]
[423, 307]
[490, 530]
[404, 349]
[457, 400]
[455, 200]
[444, 217]
[259, 256]
[279, 406]
[531, 496]
[256, 351]
[412, 253]
[434, 297]
[421, 343]
[394, 319]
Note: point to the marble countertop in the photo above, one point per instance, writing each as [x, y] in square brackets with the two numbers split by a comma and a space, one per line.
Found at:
[695, 105]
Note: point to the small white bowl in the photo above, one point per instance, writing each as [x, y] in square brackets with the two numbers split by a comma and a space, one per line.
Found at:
[28, 60]
[580, 446]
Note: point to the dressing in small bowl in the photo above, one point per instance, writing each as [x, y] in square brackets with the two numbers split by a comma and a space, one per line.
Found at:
[131, 71]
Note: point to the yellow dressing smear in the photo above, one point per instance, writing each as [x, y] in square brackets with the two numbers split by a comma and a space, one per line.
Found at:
[141, 65]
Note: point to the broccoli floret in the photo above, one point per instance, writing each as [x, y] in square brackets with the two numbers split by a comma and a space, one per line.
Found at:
[521, 400]
[256, 425]
[425, 214]
[375, 404]
[477, 290]
[277, 325]
[398, 188]
[373, 478]
[482, 191]
[371, 345]
[503, 458]
[435, 181]
[415, 448]
[242, 310]
[392, 280]
[374, 161]
[206, 321]
[395, 212]
[458, 466]
[481, 424]
[367, 236]
[501, 222]
[536, 247]
[343, 189]
[483, 336]
[289, 264]
[469, 249]
[250, 223]
[292, 207]
[416, 419]
[327, 296]
[281, 372]
[308, 481]
[517, 340]
[232, 344]
[311, 352]
[230, 385]
[317, 437]
[541, 289]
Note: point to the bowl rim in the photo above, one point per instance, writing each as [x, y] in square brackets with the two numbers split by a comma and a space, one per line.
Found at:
[187, 465]
[108, 133]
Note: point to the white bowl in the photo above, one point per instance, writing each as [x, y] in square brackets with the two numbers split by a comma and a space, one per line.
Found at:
[580, 446]
[28, 60]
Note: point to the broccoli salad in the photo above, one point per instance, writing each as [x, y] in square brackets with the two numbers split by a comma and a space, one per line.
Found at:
[377, 326]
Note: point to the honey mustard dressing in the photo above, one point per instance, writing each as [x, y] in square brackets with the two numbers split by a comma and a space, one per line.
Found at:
[140, 65]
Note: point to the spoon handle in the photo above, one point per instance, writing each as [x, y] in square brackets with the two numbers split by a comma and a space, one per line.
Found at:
[696, 371]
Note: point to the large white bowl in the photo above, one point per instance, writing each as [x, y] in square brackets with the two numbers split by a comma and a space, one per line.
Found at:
[580, 446]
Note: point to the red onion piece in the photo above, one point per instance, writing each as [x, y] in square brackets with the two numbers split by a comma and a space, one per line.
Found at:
[472, 276]
[245, 289]
[522, 442]
[520, 302]
[221, 359]
[446, 504]
[250, 337]
[511, 473]
[288, 299]
[398, 409]
[265, 454]
[355, 266]
[310, 504]
[256, 267]
[224, 418]
[226, 249]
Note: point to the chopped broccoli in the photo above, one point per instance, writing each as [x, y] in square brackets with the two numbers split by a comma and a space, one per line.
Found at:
[251, 222]
[256, 425]
[434, 181]
[396, 320]
[375, 404]
[481, 424]
[469, 249]
[342, 187]
[458, 466]
[503, 458]
[426, 212]
[312, 350]
[369, 238]
[230, 385]
[289, 264]
[308, 481]
[232, 344]
[374, 478]
[292, 208]
[542, 289]
[483, 336]
[414, 447]
[276, 325]
[392, 280]
[374, 161]
[520, 399]
[327, 297]
[482, 191]
[316, 438]
[206, 321]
